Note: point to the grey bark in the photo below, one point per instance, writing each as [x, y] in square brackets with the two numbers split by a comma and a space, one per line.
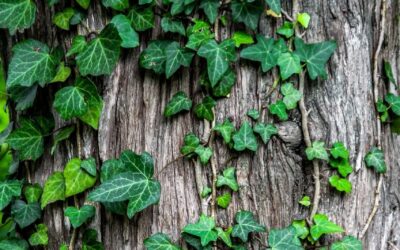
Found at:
[271, 180]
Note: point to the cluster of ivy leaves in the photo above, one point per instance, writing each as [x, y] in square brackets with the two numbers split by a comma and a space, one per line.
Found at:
[127, 184]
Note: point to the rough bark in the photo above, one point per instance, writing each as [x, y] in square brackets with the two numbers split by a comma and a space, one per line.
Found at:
[271, 180]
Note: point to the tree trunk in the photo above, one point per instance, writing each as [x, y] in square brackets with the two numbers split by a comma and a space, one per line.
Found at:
[271, 180]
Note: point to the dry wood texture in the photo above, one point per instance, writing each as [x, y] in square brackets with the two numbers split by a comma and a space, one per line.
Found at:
[273, 179]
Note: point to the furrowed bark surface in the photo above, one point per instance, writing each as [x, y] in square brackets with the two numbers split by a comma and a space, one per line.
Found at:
[271, 180]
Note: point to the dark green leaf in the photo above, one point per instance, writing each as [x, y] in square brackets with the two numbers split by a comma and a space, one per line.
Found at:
[376, 159]
[245, 138]
[142, 19]
[61, 135]
[23, 96]
[178, 103]
[78, 45]
[93, 100]
[79, 216]
[83, 3]
[25, 214]
[289, 64]
[247, 12]
[245, 224]
[17, 14]
[210, 8]
[129, 37]
[159, 241]
[389, 72]
[204, 110]
[394, 102]
[191, 142]
[284, 239]
[286, 30]
[174, 26]
[89, 165]
[204, 154]
[175, 58]
[275, 5]
[225, 236]
[224, 86]
[70, 102]
[116, 4]
[253, 114]
[153, 57]
[204, 228]
[8, 190]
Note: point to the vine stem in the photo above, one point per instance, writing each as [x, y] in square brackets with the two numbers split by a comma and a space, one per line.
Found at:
[378, 121]
[168, 164]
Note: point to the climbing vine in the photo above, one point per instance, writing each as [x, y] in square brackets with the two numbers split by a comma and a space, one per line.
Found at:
[128, 184]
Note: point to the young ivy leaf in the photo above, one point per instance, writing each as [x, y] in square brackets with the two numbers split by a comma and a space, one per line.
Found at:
[289, 64]
[129, 37]
[89, 165]
[228, 178]
[301, 228]
[78, 216]
[315, 55]
[305, 201]
[119, 5]
[178, 103]
[394, 102]
[159, 241]
[204, 229]
[225, 129]
[341, 184]
[33, 192]
[279, 109]
[265, 131]
[54, 189]
[25, 214]
[322, 225]
[8, 190]
[78, 45]
[70, 102]
[83, 3]
[303, 19]
[225, 236]
[93, 100]
[342, 164]
[204, 153]
[77, 180]
[375, 159]
[153, 57]
[205, 192]
[39, 237]
[62, 19]
[245, 138]
[286, 30]
[275, 5]
[63, 72]
[253, 114]
[245, 224]
[17, 14]
[291, 95]
[210, 8]
[101, 54]
[224, 200]
[284, 239]
[204, 110]
[247, 12]
[174, 26]
[142, 19]
[241, 38]
[347, 243]
[191, 142]
[175, 58]
[338, 150]
[317, 151]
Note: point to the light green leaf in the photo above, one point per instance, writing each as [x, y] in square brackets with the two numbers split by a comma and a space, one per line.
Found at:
[198, 38]
[191, 142]
[204, 229]
[225, 236]
[224, 200]
[317, 151]
[205, 192]
[265, 131]
[305, 201]
[78, 45]
[348, 243]
[210, 8]
[63, 72]
[291, 95]
[116, 4]
[76, 179]
[303, 19]
[142, 19]
[170, 25]
[93, 100]
[253, 114]
[322, 225]
[32, 192]
[279, 109]
[394, 102]
[159, 241]
[178, 103]
[39, 237]
[61, 135]
[286, 30]
[225, 129]
[25, 214]
[14, 244]
[301, 228]
[62, 18]
[376, 159]
[70, 102]
[245, 138]
[54, 189]
[289, 64]
[341, 184]
[284, 239]
[8, 190]
[228, 178]
[83, 3]
[129, 37]
[241, 38]
[245, 224]
[175, 58]
[78, 216]
[204, 154]
[17, 14]
[275, 5]
[247, 12]
[101, 54]
[204, 110]
[338, 150]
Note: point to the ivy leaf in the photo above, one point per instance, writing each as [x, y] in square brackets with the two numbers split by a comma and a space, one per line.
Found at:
[175, 58]
[228, 178]
[159, 241]
[343, 166]
[322, 225]
[199, 34]
[224, 86]
[83, 3]
[225, 129]
[284, 239]
[89, 240]
[153, 57]
[275, 5]
[210, 8]
[141, 19]
[303, 19]
[305, 201]
[224, 200]
[33, 192]
[76, 179]
[204, 110]
[265, 131]
[317, 151]
[348, 243]
[301, 228]
[195, 242]
[39, 237]
[291, 95]
[241, 38]
[170, 25]
[218, 57]
[78, 45]
[23, 96]
[8, 190]
[100, 56]
[60, 136]
[245, 224]
[25, 214]
[338, 150]
[279, 109]
[286, 30]
[245, 138]
[70, 102]
[389, 72]
[79, 216]
[31, 62]
[191, 142]
[204, 229]
[142, 164]
[394, 102]
[225, 236]
[178, 103]
[253, 114]
[89, 165]
[63, 72]
[341, 184]
[315, 55]
[289, 64]
[204, 153]
[247, 12]
[54, 189]
[205, 192]
[375, 159]
[27, 140]
[62, 19]
[129, 37]
[17, 14]
[116, 4]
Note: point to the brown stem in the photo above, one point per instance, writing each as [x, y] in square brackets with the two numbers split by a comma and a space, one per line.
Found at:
[169, 164]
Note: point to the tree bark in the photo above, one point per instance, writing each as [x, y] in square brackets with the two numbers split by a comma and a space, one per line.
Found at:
[271, 180]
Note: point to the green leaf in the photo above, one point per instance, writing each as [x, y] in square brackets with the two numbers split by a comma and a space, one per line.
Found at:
[79, 216]
[247, 12]
[205, 192]
[253, 114]
[93, 100]
[25, 214]
[153, 57]
[245, 138]
[70, 102]
[275, 5]
[129, 37]
[178, 103]
[23, 96]
[101, 54]
[83, 3]
[218, 57]
[159, 241]
[17, 14]
[305, 201]
[61, 135]
[63, 72]
[348, 243]
[279, 109]
[204, 153]
[341, 184]
[89, 165]
[142, 164]
[241, 38]
[27, 140]
[245, 224]
[142, 19]
[225, 236]
[322, 225]
[383, 110]
[315, 55]
[224, 86]
[265, 131]
[389, 72]
[286, 30]
[175, 58]
[224, 200]
[77, 180]
[39, 237]
[291, 95]
[317, 151]
[170, 25]
[77, 17]
[89, 240]
[32, 192]
[199, 34]
[210, 8]
[338, 150]
[228, 178]
[301, 228]
[376, 159]
[62, 18]
[204, 110]
[204, 229]
[284, 239]
[195, 242]
[54, 189]
[78, 45]
[31, 63]
[225, 129]
[303, 19]
[191, 142]
[8, 190]
[394, 102]
[289, 64]
[116, 4]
